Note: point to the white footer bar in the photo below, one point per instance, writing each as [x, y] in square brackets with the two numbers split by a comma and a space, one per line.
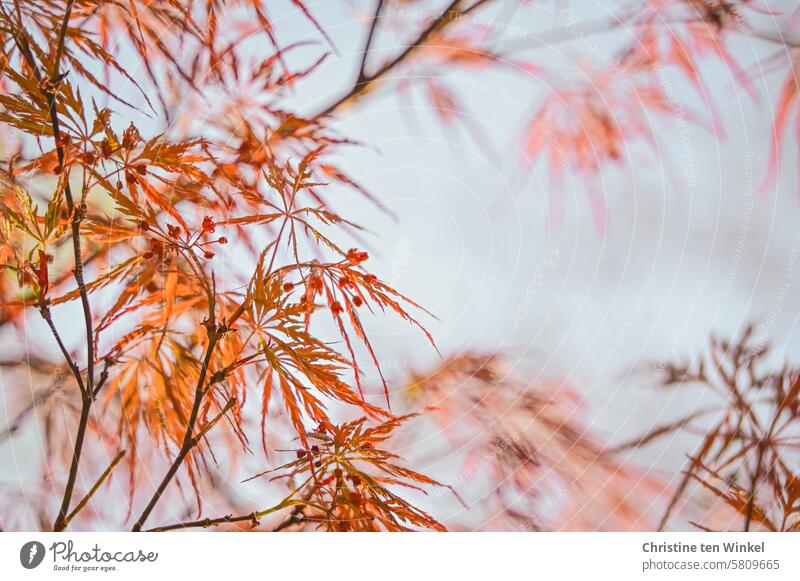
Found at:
[352, 557]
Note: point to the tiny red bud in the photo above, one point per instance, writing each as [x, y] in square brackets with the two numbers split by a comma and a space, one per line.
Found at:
[288, 287]
[370, 279]
[208, 254]
[336, 308]
[358, 301]
[300, 453]
[223, 240]
[356, 256]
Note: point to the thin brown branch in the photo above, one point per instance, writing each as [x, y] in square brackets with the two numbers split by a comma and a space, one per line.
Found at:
[107, 363]
[368, 44]
[292, 520]
[87, 388]
[61, 520]
[751, 495]
[44, 309]
[103, 477]
[209, 522]
[62, 36]
[547, 38]
[694, 461]
[448, 15]
[77, 215]
[297, 515]
[252, 517]
[207, 428]
[453, 14]
[777, 38]
[189, 440]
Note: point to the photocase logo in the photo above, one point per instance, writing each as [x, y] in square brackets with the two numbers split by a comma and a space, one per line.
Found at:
[31, 554]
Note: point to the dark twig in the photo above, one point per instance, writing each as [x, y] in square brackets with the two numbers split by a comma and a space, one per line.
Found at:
[451, 14]
[368, 44]
[201, 389]
[44, 309]
[751, 495]
[297, 517]
[85, 500]
[61, 521]
[107, 363]
[252, 517]
[205, 523]
[189, 441]
[447, 16]
[49, 88]
[77, 217]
